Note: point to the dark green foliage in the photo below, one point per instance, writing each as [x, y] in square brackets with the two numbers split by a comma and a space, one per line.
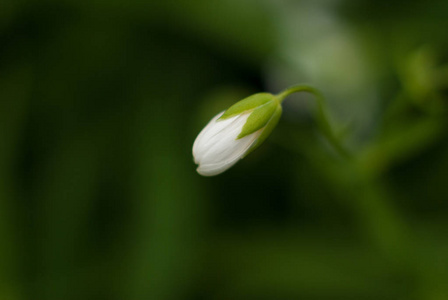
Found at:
[100, 102]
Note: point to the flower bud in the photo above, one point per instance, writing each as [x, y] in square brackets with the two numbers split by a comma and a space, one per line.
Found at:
[232, 134]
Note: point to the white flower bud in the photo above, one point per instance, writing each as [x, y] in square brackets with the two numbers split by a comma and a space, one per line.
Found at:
[232, 134]
[217, 148]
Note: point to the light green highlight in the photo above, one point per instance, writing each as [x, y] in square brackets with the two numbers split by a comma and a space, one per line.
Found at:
[258, 118]
[270, 125]
[247, 104]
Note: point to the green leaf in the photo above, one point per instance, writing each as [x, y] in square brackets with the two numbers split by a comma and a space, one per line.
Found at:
[259, 118]
[268, 129]
[247, 104]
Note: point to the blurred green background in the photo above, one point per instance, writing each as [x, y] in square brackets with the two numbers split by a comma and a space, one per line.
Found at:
[100, 102]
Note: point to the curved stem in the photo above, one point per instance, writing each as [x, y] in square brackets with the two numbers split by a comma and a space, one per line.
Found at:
[322, 118]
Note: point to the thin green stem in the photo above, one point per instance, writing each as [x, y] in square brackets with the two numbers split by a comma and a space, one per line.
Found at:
[322, 118]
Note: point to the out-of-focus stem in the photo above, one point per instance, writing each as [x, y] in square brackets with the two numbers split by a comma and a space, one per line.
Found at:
[322, 118]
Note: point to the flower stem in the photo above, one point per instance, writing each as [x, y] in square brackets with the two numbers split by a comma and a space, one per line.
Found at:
[322, 118]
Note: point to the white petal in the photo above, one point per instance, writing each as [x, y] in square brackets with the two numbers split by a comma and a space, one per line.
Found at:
[234, 153]
[221, 145]
[212, 170]
[209, 131]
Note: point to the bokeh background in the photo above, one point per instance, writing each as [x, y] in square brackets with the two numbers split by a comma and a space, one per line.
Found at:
[100, 102]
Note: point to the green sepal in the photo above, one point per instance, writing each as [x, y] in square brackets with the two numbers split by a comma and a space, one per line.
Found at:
[247, 104]
[258, 118]
[268, 129]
